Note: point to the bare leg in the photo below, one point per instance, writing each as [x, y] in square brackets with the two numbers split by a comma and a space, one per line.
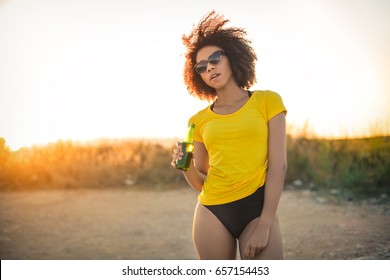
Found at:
[274, 249]
[211, 239]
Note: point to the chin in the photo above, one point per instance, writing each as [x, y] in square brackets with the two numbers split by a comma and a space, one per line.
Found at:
[219, 85]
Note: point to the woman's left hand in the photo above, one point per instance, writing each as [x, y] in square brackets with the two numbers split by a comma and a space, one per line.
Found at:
[257, 241]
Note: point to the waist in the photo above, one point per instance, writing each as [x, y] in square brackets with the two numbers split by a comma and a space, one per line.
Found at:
[224, 189]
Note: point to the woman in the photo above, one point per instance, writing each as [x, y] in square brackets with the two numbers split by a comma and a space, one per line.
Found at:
[239, 161]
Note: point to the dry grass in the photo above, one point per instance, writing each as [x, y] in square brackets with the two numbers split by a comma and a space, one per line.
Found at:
[354, 167]
[68, 165]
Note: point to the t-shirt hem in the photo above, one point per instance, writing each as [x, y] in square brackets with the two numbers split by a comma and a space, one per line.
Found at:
[209, 202]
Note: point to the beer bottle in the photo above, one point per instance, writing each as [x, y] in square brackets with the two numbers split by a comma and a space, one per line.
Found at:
[187, 147]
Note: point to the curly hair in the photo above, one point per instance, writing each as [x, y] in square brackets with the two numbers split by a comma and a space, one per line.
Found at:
[211, 31]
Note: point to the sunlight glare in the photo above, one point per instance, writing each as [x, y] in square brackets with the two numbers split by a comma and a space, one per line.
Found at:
[115, 71]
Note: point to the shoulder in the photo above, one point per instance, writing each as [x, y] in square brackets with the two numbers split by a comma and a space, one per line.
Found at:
[266, 95]
[199, 116]
[270, 102]
[199, 119]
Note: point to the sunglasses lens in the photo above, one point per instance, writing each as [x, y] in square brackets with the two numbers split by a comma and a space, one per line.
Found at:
[215, 58]
[201, 67]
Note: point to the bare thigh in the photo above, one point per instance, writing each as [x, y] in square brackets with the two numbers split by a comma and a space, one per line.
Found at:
[274, 249]
[211, 239]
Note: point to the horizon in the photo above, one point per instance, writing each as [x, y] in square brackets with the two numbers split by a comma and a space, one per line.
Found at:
[168, 141]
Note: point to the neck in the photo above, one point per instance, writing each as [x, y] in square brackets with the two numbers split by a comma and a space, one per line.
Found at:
[231, 95]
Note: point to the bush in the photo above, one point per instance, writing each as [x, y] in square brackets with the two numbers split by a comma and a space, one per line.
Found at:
[357, 167]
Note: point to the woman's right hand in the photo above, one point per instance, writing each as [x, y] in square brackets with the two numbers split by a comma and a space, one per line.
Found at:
[177, 154]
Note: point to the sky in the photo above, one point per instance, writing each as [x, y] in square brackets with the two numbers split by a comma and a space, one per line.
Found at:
[84, 70]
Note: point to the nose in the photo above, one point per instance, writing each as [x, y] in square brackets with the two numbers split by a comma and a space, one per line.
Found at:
[210, 67]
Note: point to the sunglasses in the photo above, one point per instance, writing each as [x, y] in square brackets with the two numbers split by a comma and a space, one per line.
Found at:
[214, 59]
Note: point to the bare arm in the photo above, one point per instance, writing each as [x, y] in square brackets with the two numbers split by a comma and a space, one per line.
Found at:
[196, 174]
[277, 167]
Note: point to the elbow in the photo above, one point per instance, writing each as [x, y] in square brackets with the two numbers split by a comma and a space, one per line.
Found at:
[197, 185]
[284, 168]
[279, 168]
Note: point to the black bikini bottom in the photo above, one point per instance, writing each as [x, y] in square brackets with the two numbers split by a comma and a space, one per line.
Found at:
[236, 215]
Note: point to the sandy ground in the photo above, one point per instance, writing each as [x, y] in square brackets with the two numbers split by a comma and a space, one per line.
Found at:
[134, 224]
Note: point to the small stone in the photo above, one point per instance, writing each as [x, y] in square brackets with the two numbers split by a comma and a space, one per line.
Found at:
[297, 183]
[129, 182]
[320, 200]
[335, 191]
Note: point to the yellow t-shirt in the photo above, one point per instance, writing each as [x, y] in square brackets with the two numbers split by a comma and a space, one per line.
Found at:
[237, 145]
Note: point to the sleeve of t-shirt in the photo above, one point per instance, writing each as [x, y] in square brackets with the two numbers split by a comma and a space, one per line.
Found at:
[197, 136]
[273, 104]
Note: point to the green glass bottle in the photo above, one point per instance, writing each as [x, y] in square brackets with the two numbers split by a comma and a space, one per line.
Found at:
[187, 147]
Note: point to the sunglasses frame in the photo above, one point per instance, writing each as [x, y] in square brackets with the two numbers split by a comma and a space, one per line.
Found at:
[220, 52]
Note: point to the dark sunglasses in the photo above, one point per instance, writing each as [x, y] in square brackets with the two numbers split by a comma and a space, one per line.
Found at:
[214, 59]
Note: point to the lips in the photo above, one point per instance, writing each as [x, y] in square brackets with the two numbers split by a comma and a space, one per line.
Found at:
[214, 76]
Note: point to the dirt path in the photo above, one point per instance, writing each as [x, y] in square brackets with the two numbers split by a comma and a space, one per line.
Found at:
[118, 224]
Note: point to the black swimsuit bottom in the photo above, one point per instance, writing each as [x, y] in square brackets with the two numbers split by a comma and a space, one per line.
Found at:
[236, 215]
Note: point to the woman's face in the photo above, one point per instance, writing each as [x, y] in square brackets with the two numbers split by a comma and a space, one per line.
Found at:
[216, 72]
